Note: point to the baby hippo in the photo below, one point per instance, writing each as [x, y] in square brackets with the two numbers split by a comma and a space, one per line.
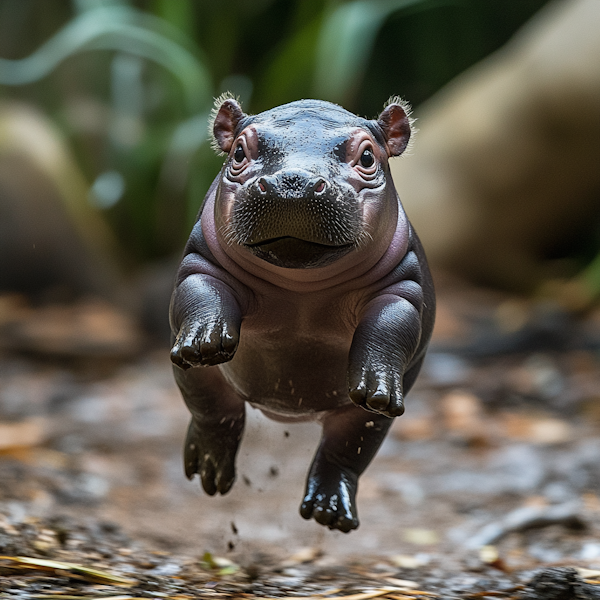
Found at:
[303, 291]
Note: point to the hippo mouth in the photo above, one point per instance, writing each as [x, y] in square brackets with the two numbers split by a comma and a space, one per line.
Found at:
[295, 253]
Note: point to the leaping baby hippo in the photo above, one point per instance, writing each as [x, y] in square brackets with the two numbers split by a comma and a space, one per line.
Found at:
[303, 291]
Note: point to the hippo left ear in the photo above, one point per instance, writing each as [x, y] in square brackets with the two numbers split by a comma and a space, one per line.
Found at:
[395, 124]
[227, 115]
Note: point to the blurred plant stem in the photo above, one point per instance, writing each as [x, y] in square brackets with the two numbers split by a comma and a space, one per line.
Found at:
[345, 44]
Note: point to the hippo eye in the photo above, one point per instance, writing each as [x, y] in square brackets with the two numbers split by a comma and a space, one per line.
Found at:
[239, 154]
[367, 159]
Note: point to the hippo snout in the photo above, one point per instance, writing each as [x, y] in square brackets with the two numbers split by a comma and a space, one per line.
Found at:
[297, 219]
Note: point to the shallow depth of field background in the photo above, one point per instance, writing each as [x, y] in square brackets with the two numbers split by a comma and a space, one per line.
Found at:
[124, 88]
[104, 161]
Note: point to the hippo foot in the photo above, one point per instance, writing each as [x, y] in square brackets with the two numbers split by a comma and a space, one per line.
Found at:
[212, 456]
[330, 499]
[377, 390]
[205, 344]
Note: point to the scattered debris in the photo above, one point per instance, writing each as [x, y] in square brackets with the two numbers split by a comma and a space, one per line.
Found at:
[62, 569]
[559, 583]
[91, 482]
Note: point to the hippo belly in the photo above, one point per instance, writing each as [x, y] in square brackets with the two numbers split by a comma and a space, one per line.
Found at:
[302, 377]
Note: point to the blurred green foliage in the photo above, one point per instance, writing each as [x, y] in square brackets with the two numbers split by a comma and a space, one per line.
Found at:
[131, 83]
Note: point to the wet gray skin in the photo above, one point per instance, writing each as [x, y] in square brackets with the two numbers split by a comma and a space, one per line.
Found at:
[304, 291]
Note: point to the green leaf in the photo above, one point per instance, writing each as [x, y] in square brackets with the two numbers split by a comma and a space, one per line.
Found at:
[116, 28]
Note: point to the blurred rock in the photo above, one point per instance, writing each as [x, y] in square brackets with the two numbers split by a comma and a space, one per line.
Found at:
[505, 171]
[558, 583]
[51, 239]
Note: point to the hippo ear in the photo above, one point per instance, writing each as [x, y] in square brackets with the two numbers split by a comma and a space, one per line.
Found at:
[396, 125]
[227, 114]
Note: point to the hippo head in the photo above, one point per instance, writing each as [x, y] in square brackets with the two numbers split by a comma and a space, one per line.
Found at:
[306, 183]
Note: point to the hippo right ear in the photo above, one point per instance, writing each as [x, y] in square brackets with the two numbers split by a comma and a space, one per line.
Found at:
[227, 114]
[395, 123]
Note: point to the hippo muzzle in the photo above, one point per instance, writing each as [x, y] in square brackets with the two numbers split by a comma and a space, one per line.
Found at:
[296, 219]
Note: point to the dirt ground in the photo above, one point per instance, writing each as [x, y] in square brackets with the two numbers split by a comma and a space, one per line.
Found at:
[486, 488]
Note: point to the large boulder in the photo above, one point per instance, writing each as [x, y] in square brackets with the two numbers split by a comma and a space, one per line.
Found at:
[506, 167]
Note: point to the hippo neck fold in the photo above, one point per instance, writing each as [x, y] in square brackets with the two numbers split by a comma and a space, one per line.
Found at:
[363, 266]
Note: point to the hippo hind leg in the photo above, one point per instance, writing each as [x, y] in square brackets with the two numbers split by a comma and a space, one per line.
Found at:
[215, 430]
[351, 437]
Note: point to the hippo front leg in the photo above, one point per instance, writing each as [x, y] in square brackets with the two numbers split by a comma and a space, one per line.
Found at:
[383, 348]
[351, 438]
[206, 320]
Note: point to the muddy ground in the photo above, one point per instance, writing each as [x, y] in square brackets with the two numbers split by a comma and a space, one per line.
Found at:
[486, 488]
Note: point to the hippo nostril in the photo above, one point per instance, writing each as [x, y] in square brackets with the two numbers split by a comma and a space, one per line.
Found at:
[318, 187]
[265, 185]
